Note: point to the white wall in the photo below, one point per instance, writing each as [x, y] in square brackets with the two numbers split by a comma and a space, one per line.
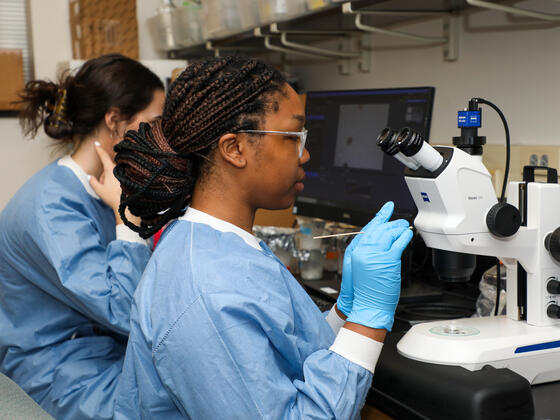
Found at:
[51, 44]
[517, 70]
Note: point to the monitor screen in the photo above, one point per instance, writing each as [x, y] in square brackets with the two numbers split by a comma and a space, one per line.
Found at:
[348, 178]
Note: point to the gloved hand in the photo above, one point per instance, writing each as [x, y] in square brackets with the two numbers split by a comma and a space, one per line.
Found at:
[376, 269]
[346, 295]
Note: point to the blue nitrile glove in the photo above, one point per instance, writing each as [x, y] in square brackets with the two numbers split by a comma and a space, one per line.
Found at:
[346, 295]
[376, 268]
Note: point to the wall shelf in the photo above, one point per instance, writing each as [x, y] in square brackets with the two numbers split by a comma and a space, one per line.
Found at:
[349, 24]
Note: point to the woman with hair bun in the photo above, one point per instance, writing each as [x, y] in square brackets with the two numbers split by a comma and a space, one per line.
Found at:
[68, 265]
[219, 326]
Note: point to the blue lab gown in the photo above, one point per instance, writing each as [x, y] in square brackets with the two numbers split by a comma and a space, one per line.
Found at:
[221, 330]
[66, 289]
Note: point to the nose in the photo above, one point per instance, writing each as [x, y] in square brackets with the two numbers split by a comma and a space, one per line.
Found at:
[305, 156]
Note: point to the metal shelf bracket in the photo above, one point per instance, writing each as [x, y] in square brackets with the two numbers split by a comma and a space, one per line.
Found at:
[295, 48]
[450, 27]
[257, 32]
[219, 48]
[345, 54]
[304, 47]
[515, 10]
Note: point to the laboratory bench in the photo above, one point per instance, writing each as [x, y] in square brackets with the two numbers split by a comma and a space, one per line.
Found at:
[436, 384]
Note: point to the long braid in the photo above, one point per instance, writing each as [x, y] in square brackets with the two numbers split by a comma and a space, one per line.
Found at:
[158, 165]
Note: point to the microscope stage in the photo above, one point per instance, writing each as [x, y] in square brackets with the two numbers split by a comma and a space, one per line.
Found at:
[532, 352]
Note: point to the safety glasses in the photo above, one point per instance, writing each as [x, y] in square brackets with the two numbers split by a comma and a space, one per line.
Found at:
[301, 135]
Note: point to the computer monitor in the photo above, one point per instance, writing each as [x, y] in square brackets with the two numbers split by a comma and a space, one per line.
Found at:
[348, 178]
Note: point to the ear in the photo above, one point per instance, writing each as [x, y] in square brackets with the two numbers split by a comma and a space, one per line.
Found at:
[232, 149]
[112, 119]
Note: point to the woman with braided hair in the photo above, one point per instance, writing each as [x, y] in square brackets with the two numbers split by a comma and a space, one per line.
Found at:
[68, 266]
[219, 327]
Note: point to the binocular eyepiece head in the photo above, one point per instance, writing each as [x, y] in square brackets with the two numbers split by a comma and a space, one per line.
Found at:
[410, 148]
[387, 141]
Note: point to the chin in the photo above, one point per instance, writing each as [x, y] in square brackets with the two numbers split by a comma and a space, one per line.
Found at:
[283, 205]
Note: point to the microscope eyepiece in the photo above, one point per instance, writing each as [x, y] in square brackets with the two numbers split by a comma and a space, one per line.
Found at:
[387, 141]
[413, 146]
[409, 142]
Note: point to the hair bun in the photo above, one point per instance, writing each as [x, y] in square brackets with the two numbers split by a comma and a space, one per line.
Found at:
[148, 167]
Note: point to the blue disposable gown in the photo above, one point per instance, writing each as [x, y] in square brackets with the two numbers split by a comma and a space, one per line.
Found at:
[66, 289]
[221, 330]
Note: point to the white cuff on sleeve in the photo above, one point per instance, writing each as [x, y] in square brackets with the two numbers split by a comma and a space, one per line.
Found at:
[357, 348]
[334, 320]
[124, 233]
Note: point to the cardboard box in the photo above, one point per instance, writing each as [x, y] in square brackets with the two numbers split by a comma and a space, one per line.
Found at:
[102, 27]
[11, 63]
[280, 218]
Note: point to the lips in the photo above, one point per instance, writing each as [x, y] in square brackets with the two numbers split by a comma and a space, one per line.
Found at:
[299, 184]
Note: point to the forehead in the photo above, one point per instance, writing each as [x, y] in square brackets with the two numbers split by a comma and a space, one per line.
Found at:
[285, 104]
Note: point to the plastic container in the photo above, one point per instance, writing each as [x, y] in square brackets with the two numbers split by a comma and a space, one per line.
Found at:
[188, 17]
[486, 302]
[310, 254]
[311, 264]
[330, 247]
[277, 10]
[221, 18]
[165, 28]
[176, 27]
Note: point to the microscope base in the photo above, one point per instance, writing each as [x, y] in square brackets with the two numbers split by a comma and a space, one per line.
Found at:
[407, 389]
[472, 343]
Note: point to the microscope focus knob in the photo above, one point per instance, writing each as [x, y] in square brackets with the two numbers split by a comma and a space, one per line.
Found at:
[553, 311]
[552, 244]
[503, 219]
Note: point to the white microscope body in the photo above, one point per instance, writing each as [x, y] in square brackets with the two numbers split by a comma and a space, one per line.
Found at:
[453, 204]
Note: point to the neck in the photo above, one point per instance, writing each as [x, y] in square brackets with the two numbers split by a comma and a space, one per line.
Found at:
[222, 205]
[86, 157]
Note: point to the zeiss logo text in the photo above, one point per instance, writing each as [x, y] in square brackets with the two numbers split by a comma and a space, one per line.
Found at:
[425, 197]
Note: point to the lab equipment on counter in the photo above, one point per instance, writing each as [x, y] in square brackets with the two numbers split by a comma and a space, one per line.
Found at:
[310, 254]
[459, 214]
[281, 241]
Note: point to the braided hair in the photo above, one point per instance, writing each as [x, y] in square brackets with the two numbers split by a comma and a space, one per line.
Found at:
[158, 165]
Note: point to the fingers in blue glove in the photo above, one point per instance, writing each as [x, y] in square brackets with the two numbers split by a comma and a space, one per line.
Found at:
[381, 248]
[346, 295]
[402, 241]
[382, 216]
[399, 224]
